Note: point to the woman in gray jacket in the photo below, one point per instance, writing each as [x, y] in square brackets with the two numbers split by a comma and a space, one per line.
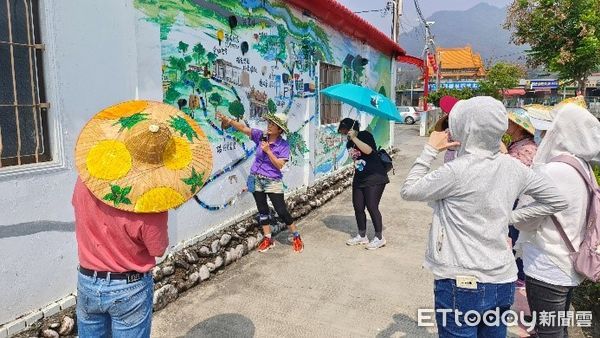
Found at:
[472, 199]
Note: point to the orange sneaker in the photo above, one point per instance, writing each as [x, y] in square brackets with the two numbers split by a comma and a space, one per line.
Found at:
[297, 244]
[265, 245]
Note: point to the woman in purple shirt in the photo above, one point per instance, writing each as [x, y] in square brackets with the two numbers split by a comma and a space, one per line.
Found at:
[265, 175]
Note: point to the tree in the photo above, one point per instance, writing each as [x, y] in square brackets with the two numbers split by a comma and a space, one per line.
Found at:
[501, 76]
[182, 47]
[382, 91]
[236, 109]
[199, 52]
[271, 106]
[205, 86]
[193, 77]
[461, 94]
[177, 64]
[564, 35]
[215, 99]
[212, 57]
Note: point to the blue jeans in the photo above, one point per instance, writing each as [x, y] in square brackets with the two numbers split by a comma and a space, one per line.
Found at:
[487, 297]
[114, 308]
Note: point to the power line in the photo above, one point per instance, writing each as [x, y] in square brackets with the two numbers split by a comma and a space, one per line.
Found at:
[384, 11]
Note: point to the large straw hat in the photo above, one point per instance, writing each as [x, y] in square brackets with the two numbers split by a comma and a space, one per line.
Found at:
[279, 119]
[520, 117]
[540, 116]
[143, 156]
[578, 100]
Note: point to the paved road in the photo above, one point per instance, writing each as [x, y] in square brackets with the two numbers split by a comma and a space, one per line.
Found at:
[330, 290]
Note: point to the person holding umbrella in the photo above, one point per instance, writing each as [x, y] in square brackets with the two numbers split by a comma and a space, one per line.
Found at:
[368, 183]
[370, 174]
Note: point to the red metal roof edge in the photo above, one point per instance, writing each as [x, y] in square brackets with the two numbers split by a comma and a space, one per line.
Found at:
[339, 17]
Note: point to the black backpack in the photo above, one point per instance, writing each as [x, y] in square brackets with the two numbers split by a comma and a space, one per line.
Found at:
[386, 160]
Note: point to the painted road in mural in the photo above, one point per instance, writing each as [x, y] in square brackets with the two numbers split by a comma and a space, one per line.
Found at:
[246, 58]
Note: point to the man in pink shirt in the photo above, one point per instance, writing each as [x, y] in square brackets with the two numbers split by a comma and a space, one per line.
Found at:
[134, 165]
[116, 249]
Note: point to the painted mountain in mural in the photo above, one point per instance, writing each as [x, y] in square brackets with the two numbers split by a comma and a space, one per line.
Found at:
[480, 26]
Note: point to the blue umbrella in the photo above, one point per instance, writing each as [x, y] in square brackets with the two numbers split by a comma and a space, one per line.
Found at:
[364, 99]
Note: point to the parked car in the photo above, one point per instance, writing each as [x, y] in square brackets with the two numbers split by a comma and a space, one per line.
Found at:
[409, 114]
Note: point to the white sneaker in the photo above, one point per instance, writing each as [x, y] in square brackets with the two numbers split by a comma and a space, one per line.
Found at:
[357, 240]
[376, 243]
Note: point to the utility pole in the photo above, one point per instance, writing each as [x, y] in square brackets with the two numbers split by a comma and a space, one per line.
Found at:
[397, 13]
[428, 50]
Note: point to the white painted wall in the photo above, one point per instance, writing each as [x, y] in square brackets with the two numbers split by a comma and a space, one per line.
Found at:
[91, 61]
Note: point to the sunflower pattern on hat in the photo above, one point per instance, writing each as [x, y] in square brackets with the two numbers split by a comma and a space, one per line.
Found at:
[520, 117]
[143, 156]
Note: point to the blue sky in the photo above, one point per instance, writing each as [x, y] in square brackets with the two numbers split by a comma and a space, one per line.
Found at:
[409, 19]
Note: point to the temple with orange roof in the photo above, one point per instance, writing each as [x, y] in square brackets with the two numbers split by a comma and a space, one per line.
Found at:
[458, 64]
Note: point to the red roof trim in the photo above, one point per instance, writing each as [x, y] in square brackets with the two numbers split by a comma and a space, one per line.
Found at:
[341, 18]
[411, 60]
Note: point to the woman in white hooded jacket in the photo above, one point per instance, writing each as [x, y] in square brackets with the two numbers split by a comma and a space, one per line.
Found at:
[472, 199]
[550, 276]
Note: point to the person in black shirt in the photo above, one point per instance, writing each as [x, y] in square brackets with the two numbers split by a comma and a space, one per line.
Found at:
[368, 184]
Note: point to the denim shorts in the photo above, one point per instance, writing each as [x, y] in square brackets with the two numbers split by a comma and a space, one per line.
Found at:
[108, 307]
[267, 185]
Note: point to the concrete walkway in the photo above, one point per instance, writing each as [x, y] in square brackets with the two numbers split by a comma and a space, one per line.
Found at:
[329, 290]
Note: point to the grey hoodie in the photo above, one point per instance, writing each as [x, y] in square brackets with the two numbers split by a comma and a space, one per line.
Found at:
[472, 196]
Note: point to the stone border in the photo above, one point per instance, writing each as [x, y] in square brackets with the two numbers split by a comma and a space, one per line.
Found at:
[192, 265]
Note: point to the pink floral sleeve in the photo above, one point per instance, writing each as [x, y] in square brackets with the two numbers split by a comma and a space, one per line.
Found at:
[523, 151]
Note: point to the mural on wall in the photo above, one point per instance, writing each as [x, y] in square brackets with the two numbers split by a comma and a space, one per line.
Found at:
[244, 59]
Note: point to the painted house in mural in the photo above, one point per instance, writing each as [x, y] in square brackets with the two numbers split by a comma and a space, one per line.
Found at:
[241, 58]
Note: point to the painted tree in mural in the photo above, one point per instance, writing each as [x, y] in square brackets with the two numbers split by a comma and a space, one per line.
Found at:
[236, 109]
[382, 91]
[271, 106]
[353, 68]
[358, 67]
[182, 47]
[307, 55]
[297, 146]
[205, 86]
[273, 47]
[177, 64]
[215, 100]
[192, 78]
[171, 95]
[212, 57]
[198, 52]
[281, 36]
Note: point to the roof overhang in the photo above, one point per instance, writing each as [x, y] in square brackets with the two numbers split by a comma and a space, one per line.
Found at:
[344, 20]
